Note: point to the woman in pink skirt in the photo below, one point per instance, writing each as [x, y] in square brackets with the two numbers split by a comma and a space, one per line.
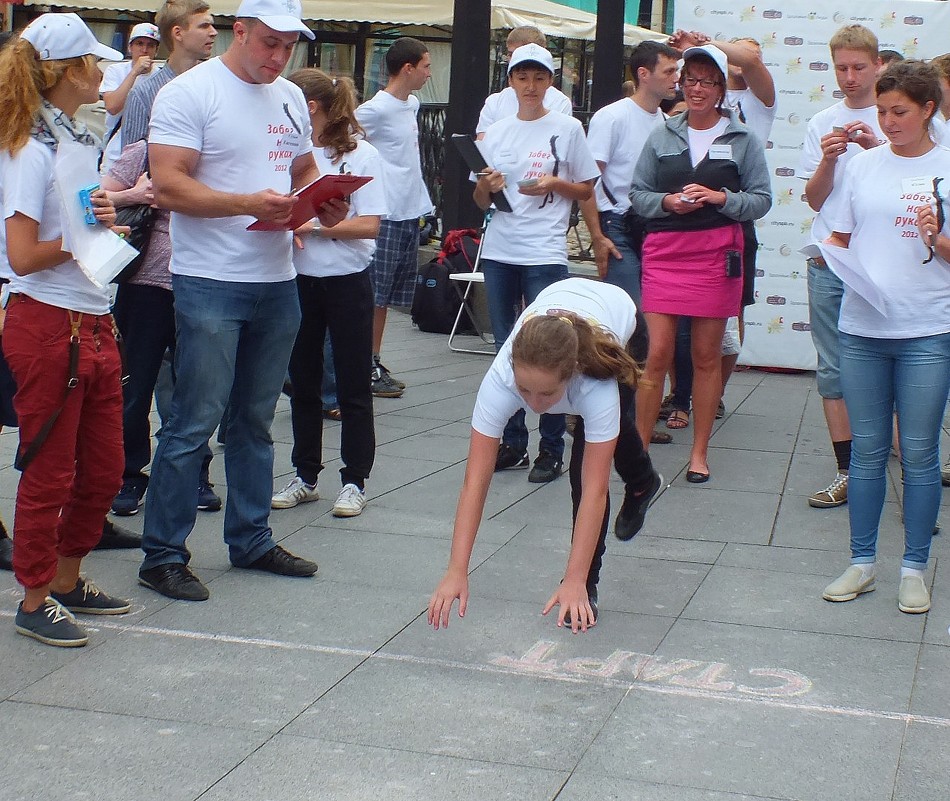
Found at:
[700, 175]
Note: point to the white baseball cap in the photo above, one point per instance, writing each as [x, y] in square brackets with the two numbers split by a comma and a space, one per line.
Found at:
[59, 36]
[145, 30]
[534, 53]
[710, 51]
[281, 15]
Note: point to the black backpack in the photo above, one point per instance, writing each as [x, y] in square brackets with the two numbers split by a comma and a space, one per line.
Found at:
[437, 300]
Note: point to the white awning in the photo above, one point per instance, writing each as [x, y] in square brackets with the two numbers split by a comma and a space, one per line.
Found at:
[552, 18]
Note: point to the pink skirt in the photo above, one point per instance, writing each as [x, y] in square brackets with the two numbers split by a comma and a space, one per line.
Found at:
[684, 272]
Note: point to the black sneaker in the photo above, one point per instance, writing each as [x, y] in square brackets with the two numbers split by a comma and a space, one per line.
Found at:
[547, 467]
[129, 499]
[6, 553]
[283, 563]
[51, 624]
[87, 599]
[383, 386]
[508, 457]
[174, 580]
[115, 538]
[385, 371]
[208, 500]
[634, 509]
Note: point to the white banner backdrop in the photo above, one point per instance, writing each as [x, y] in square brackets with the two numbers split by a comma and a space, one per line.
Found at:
[794, 39]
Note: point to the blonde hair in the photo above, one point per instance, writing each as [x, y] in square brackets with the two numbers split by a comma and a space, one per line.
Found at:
[942, 63]
[177, 13]
[855, 37]
[526, 34]
[337, 97]
[25, 80]
[565, 343]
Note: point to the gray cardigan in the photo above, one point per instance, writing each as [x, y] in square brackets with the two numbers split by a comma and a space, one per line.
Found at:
[670, 139]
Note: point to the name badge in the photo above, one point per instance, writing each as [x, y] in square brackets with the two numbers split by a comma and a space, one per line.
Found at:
[923, 183]
[720, 152]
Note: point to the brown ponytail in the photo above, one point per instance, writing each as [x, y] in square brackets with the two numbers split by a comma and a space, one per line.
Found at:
[25, 80]
[566, 343]
[337, 97]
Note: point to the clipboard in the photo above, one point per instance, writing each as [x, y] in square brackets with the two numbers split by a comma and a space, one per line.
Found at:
[475, 161]
[312, 196]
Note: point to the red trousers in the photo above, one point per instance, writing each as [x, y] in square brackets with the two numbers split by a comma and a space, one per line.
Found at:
[66, 491]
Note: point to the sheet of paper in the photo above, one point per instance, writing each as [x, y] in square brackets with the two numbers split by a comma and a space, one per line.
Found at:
[100, 253]
[843, 263]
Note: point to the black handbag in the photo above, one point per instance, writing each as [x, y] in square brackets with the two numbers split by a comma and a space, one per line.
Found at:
[139, 219]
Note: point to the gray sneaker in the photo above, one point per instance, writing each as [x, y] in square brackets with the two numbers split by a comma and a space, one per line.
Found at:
[86, 598]
[52, 624]
[385, 371]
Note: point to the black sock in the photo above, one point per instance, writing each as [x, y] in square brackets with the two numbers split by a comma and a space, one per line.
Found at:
[842, 454]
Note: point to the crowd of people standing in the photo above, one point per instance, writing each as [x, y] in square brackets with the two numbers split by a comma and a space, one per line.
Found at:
[231, 317]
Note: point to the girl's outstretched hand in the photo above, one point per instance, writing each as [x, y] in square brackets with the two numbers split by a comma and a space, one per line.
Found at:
[451, 587]
[572, 598]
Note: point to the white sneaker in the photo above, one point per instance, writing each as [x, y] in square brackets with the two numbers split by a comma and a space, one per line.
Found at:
[849, 585]
[296, 492]
[350, 502]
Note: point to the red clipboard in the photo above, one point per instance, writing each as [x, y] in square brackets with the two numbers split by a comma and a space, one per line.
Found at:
[312, 197]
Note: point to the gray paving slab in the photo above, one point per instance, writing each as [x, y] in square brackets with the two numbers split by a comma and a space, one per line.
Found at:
[747, 747]
[938, 619]
[586, 785]
[741, 470]
[302, 767]
[753, 432]
[793, 601]
[73, 754]
[922, 775]
[464, 713]
[649, 546]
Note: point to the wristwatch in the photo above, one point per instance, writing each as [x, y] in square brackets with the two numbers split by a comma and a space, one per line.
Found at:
[316, 226]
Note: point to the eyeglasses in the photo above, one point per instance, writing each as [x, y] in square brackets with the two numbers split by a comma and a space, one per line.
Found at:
[941, 220]
[706, 84]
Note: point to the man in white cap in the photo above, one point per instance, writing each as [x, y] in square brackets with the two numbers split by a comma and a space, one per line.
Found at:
[118, 80]
[229, 141]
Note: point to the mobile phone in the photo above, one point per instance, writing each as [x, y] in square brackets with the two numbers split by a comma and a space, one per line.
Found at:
[527, 182]
[85, 200]
[733, 264]
[686, 199]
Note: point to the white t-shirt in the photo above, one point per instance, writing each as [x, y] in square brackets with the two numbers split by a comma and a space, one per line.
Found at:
[596, 400]
[941, 130]
[822, 123]
[758, 117]
[505, 104]
[880, 196]
[248, 136]
[616, 135]
[535, 231]
[111, 80]
[701, 140]
[26, 181]
[392, 127]
[322, 257]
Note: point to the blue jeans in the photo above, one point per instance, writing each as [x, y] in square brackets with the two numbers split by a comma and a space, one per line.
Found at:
[913, 377]
[509, 287]
[626, 271]
[231, 336]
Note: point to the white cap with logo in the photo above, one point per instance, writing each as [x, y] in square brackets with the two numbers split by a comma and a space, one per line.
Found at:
[280, 15]
[710, 51]
[145, 30]
[60, 36]
[533, 53]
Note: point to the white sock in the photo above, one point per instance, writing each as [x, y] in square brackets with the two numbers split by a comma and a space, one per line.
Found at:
[867, 570]
[911, 571]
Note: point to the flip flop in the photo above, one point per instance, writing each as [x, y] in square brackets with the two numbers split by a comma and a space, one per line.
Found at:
[678, 420]
[666, 407]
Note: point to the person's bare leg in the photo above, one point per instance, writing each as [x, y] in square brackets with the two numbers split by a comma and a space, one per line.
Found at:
[379, 326]
[707, 386]
[836, 416]
[67, 574]
[662, 328]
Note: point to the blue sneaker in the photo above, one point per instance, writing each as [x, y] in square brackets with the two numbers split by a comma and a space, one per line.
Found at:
[52, 624]
[208, 500]
[129, 499]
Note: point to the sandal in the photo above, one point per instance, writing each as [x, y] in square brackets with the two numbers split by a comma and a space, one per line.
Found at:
[678, 420]
[666, 407]
[333, 413]
[660, 438]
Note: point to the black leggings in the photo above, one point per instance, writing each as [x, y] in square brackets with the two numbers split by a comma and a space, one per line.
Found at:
[632, 463]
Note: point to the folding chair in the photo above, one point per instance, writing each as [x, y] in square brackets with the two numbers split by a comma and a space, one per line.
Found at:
[469, 280]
